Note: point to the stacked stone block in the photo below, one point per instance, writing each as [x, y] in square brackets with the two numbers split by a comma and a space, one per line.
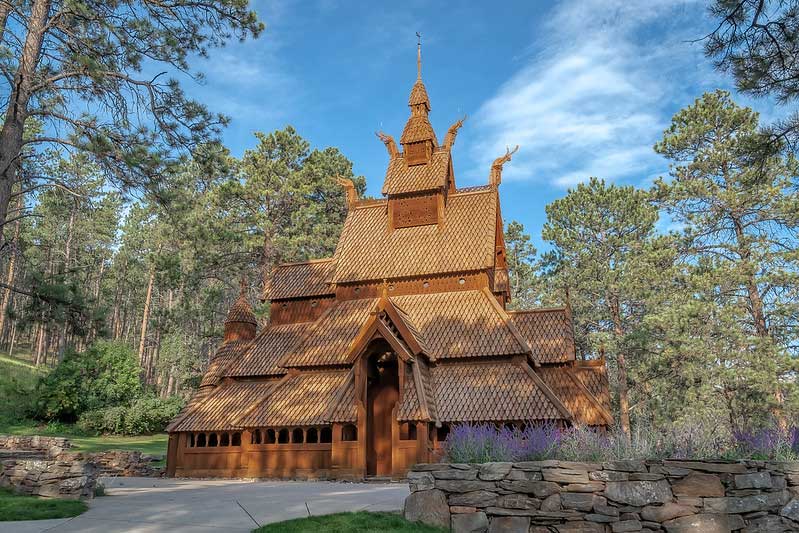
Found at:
[612, 497]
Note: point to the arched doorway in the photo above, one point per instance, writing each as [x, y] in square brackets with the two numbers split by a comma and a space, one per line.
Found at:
[382, 393]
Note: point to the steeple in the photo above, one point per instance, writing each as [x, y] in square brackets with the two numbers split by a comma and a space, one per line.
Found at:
[240, 324]
[418, 138]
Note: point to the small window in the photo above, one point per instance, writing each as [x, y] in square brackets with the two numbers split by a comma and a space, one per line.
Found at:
[311, 436]
[407, 431]
[443, 432]
[391, 287]
[326, 435]
[297, 436]
[461, 281]
[314, 303]
[225, 440]
[349, 433]
[256, 437]
[236, 440]
[357, 290]
[213, 440]
[284, 306]
[201, 440]
[190, 441]
[426, 284]
[283, 436]
[270, 436]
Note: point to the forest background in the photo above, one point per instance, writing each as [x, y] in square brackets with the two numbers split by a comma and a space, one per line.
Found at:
[127, 226]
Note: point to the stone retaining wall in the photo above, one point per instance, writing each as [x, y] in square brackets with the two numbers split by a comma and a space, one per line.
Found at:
[66, 475]
[127, 464]
[51, 445]
[41, 466]
[614, 497]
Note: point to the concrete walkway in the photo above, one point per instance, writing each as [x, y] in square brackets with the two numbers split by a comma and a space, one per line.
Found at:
[146, 505]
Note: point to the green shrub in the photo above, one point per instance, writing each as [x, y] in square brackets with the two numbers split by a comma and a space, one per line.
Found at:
[104, 375]
[148, 414]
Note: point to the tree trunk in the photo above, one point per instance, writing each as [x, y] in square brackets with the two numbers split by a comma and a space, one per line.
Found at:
[753, 293]
[624, 400]
[67, 258]
[5, 10]
[11, 273]
[11, 134]
[146, 315]
[13, 336]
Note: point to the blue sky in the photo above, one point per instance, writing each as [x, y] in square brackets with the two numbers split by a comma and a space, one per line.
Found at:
[585, 87]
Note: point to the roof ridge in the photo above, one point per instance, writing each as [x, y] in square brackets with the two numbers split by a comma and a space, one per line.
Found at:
[601, 408]
[526, 348]
[537, 310]
[547, 391]
[307, 262]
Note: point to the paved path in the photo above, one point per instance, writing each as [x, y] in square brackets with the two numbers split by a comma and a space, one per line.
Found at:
[147, 505]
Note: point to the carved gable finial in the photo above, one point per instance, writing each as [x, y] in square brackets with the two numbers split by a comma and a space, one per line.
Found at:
[349, 186]
[495, 177]
[391, 145]
[452, 132]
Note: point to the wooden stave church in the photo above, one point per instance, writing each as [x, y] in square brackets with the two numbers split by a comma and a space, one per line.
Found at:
[370, 356]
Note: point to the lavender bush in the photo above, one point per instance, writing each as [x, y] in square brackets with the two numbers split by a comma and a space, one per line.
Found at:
[480, 443]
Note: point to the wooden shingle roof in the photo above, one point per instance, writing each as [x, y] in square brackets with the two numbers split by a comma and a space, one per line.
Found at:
[594, 375]
[328, 340]
[298, 280]
[402, 178]
[265, 351]
[302, 399]
[225, 355]
[459, 324]
[241, 311]
[585, 408]
[218, 410]
[368, 250]
[487, 392]
[418, 129]
[548, 332]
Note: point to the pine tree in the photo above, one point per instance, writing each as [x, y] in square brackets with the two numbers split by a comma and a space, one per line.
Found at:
[599, 233]
[522, 269]
[62, 58]
[740, 228]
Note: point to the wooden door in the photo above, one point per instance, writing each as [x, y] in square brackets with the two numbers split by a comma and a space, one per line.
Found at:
[382, 395]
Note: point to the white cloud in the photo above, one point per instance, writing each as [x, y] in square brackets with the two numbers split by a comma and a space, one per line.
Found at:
[595, 96]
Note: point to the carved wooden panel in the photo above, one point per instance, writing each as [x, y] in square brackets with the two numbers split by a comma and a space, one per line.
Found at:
[501, 283]
[417, 153]
[415, 211]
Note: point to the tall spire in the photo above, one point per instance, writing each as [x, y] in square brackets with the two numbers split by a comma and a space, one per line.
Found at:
[418, 56]
[418, 128]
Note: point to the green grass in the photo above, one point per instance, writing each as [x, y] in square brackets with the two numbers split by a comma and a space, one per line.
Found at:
[360, 522]
[151, 444]
[19, 507]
